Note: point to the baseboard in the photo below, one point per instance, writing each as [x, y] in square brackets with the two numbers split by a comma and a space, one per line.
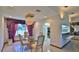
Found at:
[55, 46]
[60, 47]
[3, 47]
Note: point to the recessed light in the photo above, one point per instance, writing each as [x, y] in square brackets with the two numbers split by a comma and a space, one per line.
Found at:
[37, 10]
[72, 12]
[65, 6]
[11, 6]
[45, 16]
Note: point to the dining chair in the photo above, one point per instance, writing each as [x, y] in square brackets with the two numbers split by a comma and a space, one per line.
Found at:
[28, 44]
[23, 45]
[20, 38]
[34, 44]
[40, 42]
[25, 34]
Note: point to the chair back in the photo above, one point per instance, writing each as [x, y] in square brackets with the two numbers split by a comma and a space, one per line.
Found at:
[25, 34]
[20, 37]
[40, 40]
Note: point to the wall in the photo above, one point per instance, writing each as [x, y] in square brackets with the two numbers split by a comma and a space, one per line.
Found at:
[77, 28]
[65, 37]
[5, 31]
[36, 30]
[55, 30]
[1, 33]
[57, 37]
[75, 19]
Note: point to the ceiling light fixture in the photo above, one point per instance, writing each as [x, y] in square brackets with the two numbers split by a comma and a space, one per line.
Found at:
[29, 15]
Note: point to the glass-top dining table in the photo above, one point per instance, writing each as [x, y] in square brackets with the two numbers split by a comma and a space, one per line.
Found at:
[27, 45]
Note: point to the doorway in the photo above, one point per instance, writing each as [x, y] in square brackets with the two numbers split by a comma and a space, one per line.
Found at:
[46, 30]
[46, 33]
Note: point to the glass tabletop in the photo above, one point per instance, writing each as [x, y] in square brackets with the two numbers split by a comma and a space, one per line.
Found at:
[20, 48]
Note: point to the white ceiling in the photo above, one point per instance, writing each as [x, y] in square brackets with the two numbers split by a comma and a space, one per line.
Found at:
[20, 11]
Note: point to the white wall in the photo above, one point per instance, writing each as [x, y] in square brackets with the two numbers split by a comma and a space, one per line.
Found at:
[1, 33]
[77, 28]
[36, 30]
[65, 38]
[5, 31]
[76, 19]
[1, 30]
[55, 30]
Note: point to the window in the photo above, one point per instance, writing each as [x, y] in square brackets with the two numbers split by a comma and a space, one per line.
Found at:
[21, 29]
[65, 29]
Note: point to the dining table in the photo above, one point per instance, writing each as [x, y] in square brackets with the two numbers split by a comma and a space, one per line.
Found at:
[27, 45]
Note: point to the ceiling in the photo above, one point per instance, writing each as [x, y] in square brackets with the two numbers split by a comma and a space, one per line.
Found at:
[21, 11]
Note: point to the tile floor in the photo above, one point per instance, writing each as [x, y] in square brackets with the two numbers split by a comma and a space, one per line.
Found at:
[73, 46]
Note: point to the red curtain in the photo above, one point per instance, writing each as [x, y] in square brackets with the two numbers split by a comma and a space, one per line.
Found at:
[12, 27]
[30, 29]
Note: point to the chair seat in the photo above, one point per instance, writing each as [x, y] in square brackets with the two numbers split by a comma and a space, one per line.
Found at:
[34, 45]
